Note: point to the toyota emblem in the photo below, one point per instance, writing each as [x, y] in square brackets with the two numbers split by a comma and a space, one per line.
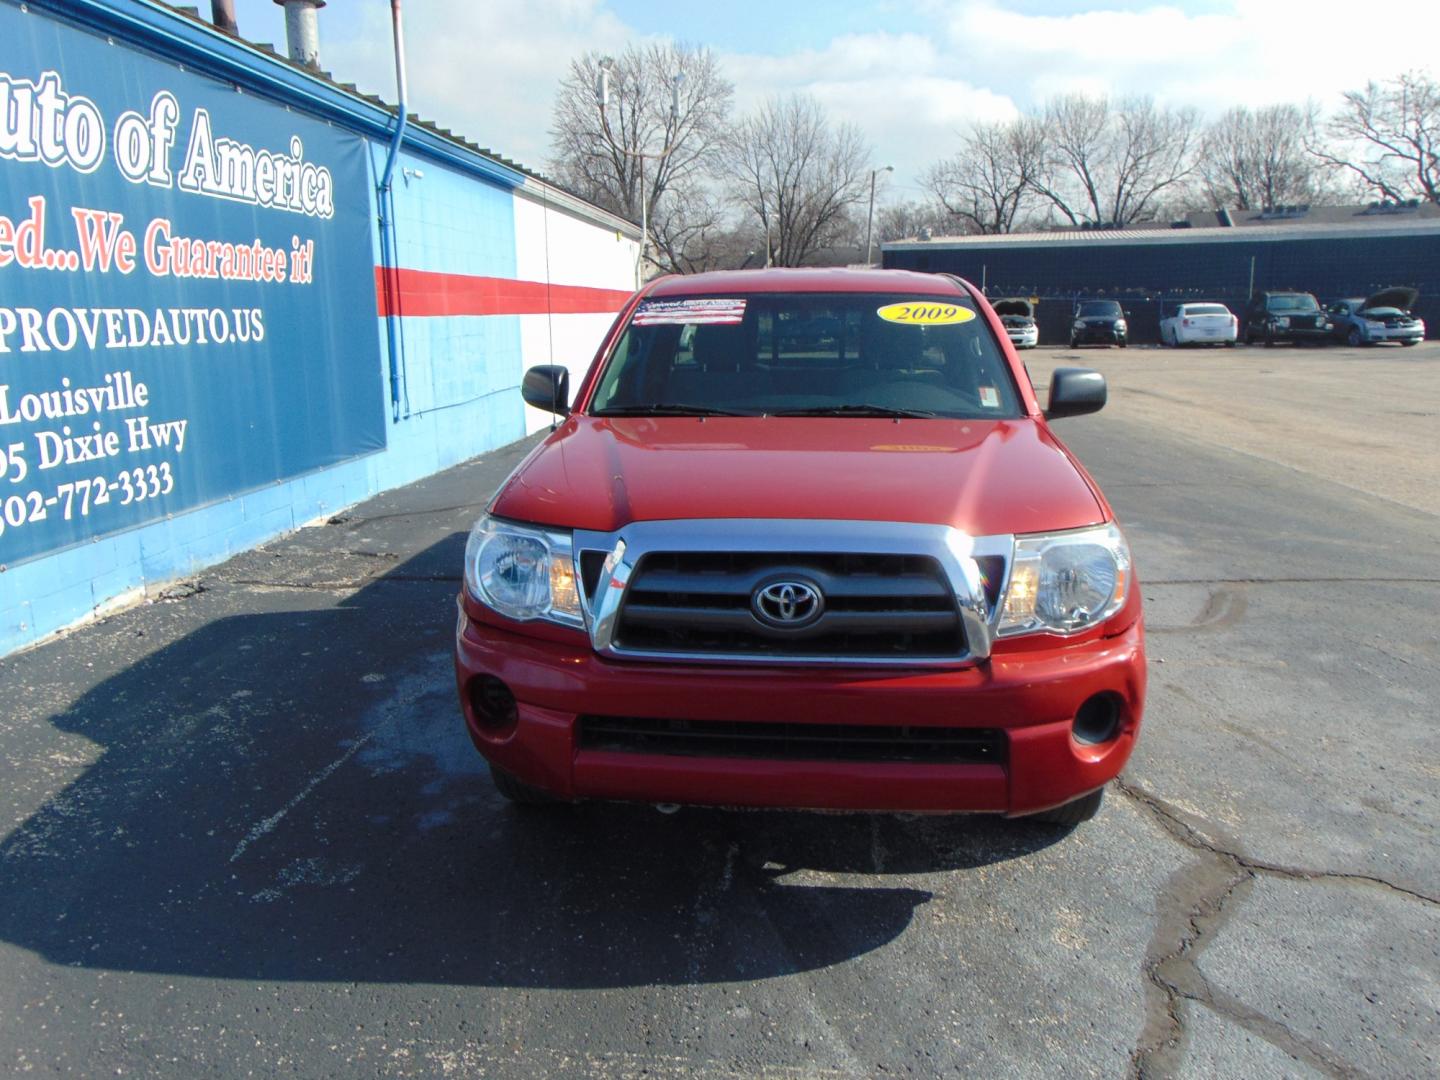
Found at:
[787, 605]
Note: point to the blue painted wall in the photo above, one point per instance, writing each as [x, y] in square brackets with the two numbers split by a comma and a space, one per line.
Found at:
[458, 375]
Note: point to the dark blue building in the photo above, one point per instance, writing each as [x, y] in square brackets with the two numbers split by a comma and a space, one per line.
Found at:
[1151, 270]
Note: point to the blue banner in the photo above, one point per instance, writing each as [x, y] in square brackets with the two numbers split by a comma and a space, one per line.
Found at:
[187, 290]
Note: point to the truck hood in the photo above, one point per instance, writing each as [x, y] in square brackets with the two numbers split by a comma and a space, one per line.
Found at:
[980, 476]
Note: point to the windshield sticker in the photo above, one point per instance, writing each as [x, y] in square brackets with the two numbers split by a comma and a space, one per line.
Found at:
[989, 397]
[688, 312]
[925, 313]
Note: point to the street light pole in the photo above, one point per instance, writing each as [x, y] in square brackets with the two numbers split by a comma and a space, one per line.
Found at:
[870, 217]
[602, 100]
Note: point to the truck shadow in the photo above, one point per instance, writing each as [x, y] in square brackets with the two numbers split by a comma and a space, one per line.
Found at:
[285, 792]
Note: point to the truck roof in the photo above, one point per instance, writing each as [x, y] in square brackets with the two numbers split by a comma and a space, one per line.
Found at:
[804, 279]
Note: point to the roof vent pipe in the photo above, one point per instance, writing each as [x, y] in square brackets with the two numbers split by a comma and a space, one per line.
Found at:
[302, 31]
[222, 14]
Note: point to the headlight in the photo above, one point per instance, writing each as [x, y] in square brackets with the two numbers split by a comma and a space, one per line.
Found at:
[1373, 325]
[1066, 582]
[1282, 321]
[1120, 325]
[1079, 324]
[522, 572]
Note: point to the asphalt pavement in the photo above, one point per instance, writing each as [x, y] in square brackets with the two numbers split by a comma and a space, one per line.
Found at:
[243, 833]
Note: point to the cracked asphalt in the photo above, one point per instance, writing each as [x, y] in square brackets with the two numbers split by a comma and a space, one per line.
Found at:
[242, 832]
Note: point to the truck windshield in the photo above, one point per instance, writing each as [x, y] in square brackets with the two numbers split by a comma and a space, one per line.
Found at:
[1293, 302]
[1099, 309]
[846, 354]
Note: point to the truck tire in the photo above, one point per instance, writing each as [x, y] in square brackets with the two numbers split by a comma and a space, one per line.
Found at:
[519, 792]
[1072, 813]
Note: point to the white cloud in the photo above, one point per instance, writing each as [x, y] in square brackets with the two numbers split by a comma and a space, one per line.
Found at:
[486, 70]
[489, 70]
[897, 88]
[1257, 52]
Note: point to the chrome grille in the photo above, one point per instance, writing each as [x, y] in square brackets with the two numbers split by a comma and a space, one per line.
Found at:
[875, 606]
[884, 574]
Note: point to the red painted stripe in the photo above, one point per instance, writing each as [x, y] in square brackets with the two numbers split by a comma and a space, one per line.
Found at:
[426, 293]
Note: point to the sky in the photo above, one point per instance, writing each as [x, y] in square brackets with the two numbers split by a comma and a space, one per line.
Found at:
[911, 75]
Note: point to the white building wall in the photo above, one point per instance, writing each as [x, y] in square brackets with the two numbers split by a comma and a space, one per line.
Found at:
[553, 245]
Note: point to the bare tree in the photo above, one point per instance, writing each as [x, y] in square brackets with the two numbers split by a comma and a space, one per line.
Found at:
[988, 183]
[1388, 135]
[1256, 159]
[602, 155]
[798, 175]
[1107, 162]
[694, 233]
[907, 220]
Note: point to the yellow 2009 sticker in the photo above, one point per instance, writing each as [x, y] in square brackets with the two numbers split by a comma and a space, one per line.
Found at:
[925, 313]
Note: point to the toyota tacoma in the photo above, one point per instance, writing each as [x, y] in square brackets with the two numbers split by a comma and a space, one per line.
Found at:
[804, 538]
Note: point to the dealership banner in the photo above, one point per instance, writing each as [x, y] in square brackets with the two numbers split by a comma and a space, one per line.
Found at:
[186, 289]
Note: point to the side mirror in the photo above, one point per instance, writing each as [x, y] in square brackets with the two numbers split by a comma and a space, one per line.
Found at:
[1074, 392]
[547, 387]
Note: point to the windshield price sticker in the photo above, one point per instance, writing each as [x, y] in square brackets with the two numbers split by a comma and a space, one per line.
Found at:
[925, 313]
[689, 312]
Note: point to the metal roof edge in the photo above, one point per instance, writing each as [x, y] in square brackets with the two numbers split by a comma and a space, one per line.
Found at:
[559, 199]
[158, 28]
[1123, 237]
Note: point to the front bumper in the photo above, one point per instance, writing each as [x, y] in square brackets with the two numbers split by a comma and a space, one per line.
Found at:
[1098, 336]
[1031, 696]
[1023, 337]
[1299, 333]
[1395, 334]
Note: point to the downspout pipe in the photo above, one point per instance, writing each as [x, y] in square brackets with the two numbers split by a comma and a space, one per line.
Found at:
[399, 36]
[387, 216]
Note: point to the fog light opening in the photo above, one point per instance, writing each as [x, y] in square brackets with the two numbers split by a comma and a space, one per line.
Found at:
[493, 705]
[1098, 720]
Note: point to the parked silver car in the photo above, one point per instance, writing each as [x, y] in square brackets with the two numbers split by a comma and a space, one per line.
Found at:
[1385, 316]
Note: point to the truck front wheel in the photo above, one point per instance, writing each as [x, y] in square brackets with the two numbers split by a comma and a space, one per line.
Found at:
[521, 793]
[1072, 813]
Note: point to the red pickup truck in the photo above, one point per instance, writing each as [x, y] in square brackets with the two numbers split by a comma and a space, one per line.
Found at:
[804, 538]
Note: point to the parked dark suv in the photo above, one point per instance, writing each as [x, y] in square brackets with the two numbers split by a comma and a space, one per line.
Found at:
[1099, 322]
[1285, 316]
